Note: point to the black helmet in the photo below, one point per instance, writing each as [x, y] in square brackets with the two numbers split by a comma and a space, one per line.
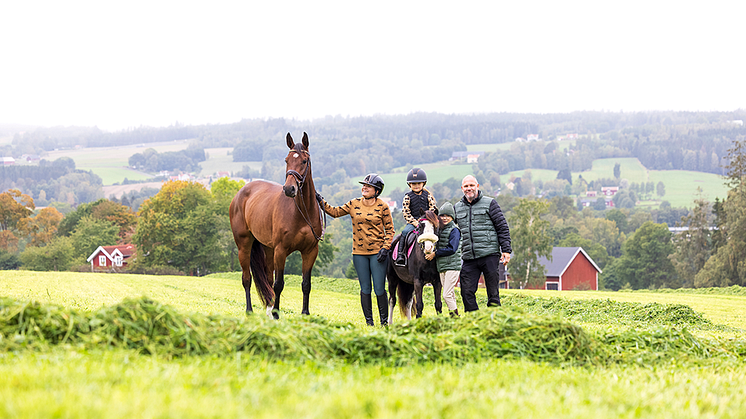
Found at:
[372, 179]
[416, 175]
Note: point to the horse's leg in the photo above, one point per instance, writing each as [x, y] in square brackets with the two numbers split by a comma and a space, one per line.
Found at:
[279, 263]
[308, 260]
[244, 258]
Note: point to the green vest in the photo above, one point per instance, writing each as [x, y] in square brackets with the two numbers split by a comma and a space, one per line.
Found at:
[448, 263]
[478, 235]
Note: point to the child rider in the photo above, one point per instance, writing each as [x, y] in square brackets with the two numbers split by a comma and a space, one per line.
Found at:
[415, 203]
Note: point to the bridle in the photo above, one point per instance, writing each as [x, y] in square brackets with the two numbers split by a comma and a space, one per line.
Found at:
[301, 180]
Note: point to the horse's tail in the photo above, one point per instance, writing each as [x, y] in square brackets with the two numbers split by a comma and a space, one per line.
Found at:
[405, 292]
[259, 272]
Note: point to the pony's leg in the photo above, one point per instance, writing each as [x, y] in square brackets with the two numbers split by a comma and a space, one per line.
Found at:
[279, 263]
[393, 283]
[438, 291]
[409, 307]
[308, 260]
[418, 294]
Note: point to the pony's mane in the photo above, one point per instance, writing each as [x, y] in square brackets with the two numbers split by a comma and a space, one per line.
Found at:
[300, 148]
[434, 219]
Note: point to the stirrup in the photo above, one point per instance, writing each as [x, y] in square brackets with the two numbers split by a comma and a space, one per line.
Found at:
[400, 261]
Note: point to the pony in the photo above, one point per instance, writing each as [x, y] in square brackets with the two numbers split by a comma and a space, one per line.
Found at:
[270, 221]
[408, 281]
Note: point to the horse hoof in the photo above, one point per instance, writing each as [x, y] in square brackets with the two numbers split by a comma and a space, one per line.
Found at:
[305, 312]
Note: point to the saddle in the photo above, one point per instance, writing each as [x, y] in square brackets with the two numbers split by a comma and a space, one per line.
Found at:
[409, 242]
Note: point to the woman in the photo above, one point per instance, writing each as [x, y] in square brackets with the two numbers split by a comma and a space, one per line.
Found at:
[372, 232]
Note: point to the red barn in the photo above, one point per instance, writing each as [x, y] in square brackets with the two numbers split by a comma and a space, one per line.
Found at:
[570, 269]
[111, 258]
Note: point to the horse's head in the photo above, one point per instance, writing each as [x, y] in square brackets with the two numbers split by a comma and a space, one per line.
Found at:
[298, 166]
[428, 231]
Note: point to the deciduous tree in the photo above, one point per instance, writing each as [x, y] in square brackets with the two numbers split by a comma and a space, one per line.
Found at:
[530, 240]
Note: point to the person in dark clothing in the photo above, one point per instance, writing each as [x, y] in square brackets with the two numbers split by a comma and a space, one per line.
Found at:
[415, 203]
[485, 243]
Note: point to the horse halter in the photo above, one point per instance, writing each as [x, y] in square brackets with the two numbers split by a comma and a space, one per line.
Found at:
[301, 179]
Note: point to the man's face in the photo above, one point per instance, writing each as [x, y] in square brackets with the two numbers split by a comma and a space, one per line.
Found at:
[470, 188]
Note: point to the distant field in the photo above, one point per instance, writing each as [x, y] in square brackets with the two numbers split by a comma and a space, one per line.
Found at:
[630, 169]
[110, 163]
[218, 160]
[681, 186]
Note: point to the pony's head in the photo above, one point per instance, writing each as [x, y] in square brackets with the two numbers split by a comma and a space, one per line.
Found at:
[428, 231]
[297, 166]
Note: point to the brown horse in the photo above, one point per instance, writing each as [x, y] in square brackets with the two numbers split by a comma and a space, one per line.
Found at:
[270, 221]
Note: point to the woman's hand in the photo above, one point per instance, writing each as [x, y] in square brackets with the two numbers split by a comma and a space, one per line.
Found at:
[430, 255]
[382, 255]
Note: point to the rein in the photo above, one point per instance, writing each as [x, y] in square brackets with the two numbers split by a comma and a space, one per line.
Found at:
[301, 181]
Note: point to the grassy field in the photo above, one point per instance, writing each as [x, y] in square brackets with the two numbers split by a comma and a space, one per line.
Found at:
[110, 163]
[69, 381]
[218, 160]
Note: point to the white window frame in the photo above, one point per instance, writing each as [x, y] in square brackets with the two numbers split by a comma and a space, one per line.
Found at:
[118, 260]
[102, 260]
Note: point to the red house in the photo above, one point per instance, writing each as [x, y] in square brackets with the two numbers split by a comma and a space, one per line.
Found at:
[570, 269]
[111, 258]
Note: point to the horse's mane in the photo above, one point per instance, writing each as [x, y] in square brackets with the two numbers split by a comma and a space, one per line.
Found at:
[300, 148]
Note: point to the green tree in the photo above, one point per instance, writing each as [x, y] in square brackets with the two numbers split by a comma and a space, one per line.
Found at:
[530, 240]
[617, 170]
[693, 246]
[619, 218]
[597, 252]
[644, 262]
[728, 265]
[660, 189]
[90, 233]
[178, 227]
[8, 261]
[57, 255]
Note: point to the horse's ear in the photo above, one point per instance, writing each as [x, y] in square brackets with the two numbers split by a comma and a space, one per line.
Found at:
[305, 140]
[290, 141]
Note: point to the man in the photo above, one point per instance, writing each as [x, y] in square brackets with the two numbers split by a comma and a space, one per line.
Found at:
[485, 243]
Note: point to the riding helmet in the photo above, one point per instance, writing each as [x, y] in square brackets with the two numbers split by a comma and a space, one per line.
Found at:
[416, 175]
[372, 179]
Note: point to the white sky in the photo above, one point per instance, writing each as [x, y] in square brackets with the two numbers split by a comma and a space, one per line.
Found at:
[130, 63]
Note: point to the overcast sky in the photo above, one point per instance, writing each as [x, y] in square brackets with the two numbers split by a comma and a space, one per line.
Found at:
[125, 64]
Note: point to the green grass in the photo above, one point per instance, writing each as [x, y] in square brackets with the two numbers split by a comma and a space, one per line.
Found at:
[71, 380]
[218, 160]
[121, 384]
[110, 163]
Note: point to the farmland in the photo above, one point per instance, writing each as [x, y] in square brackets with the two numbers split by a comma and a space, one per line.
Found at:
[80, 380]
